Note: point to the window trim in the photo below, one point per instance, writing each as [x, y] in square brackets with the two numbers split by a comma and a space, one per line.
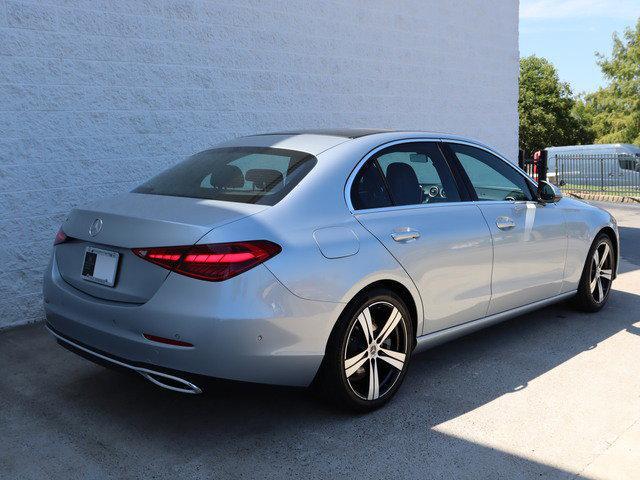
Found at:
[372, 153]
[531, 185]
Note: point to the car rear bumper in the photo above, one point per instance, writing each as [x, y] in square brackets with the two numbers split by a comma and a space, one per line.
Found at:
[248, 328]
[171, 380]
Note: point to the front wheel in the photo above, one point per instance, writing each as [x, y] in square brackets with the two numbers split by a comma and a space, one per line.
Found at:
[368, 352]
[597, 275]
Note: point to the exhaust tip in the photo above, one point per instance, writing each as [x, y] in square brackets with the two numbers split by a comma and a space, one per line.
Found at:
[170, 382]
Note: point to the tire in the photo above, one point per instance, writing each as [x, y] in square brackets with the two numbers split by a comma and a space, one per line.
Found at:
[596, 280]
[359, 373]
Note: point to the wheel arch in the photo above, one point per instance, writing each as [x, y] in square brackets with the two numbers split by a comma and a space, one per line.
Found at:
[399, 289]
[610, 232]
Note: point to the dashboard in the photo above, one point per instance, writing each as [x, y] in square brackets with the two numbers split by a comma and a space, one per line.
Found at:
[432, 193]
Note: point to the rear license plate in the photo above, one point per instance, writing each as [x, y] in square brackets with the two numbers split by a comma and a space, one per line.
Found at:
[100, 266]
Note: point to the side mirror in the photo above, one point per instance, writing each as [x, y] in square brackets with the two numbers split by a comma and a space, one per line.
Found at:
[548, 193]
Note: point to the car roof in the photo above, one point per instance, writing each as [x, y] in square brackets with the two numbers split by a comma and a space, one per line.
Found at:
[318, 140]
[334, 132]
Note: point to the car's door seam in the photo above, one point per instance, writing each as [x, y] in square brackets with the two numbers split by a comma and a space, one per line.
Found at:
[401, 266]
[566, 248]
[493, 257]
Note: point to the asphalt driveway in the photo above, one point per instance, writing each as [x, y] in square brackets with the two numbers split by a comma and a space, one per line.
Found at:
[551, 394]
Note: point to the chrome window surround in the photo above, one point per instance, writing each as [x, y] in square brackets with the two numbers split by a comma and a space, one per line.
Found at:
[360, 164]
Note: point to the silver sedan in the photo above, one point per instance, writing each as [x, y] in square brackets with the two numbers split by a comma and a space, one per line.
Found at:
[320, 258]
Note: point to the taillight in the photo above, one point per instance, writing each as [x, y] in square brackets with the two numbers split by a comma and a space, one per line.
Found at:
[213, 262]
[61, 237]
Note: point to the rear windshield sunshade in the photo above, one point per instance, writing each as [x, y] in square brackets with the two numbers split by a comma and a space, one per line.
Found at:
[259, 175]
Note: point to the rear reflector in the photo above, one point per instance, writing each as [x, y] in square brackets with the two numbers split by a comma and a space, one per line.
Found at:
[213, 262]
[61, 237]
[168, 341]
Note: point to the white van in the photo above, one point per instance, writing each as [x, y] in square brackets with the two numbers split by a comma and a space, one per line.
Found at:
[593, 164]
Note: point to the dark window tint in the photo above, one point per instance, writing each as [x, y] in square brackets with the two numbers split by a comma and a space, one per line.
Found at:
[261, 175]
[417, 173]
[492, 178]
[628, 162]
[368, 190]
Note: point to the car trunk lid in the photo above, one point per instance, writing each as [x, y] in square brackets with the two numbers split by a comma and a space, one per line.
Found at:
[133, 220]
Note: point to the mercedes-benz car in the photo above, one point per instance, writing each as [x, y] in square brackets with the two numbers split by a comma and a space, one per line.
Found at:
[322, 258]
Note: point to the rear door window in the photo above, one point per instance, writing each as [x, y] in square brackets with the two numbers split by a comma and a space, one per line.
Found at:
[404, 174]
[260, 175]
[417, 173]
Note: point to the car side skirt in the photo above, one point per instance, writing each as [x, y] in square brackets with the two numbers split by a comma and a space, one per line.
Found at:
[433, 339]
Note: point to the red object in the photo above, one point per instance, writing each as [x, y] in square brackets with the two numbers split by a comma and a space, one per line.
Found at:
[61, 237]
[168, 341]
[537, 156]
[213, 262]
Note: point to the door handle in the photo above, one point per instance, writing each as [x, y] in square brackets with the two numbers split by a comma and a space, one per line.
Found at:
[505, 223]
[405, 234]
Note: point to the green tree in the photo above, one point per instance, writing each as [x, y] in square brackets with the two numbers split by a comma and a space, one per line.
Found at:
[614, 110]
[548, 112]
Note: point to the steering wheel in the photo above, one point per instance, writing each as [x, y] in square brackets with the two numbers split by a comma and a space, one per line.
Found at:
[513, 195]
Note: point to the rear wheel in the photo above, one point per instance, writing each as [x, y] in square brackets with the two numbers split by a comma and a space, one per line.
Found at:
[368, 352]
[597, 276]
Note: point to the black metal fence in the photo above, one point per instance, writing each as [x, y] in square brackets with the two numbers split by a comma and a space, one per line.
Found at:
[611, 174]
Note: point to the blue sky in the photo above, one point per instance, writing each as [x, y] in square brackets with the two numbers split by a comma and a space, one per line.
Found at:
[569, 32]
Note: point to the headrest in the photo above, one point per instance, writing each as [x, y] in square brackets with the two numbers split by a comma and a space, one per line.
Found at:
[403, 182]
[227, 176]
[264, 178]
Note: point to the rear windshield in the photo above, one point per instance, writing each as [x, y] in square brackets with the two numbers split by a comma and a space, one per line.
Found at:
[260, 175]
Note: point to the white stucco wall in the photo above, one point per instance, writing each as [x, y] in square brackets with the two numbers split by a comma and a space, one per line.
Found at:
[96, 95]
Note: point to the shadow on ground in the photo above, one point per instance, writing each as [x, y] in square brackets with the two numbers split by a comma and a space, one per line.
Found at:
[630, 247]
[63, 417]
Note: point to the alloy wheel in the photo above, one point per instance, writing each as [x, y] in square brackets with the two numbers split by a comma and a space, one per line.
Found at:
[601, 272]
[376, 350]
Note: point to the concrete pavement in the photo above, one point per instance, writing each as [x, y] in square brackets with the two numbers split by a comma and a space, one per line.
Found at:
[551, 394]
[628, 217]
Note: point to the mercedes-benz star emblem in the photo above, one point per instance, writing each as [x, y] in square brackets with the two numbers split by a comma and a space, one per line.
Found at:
[95, 227]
